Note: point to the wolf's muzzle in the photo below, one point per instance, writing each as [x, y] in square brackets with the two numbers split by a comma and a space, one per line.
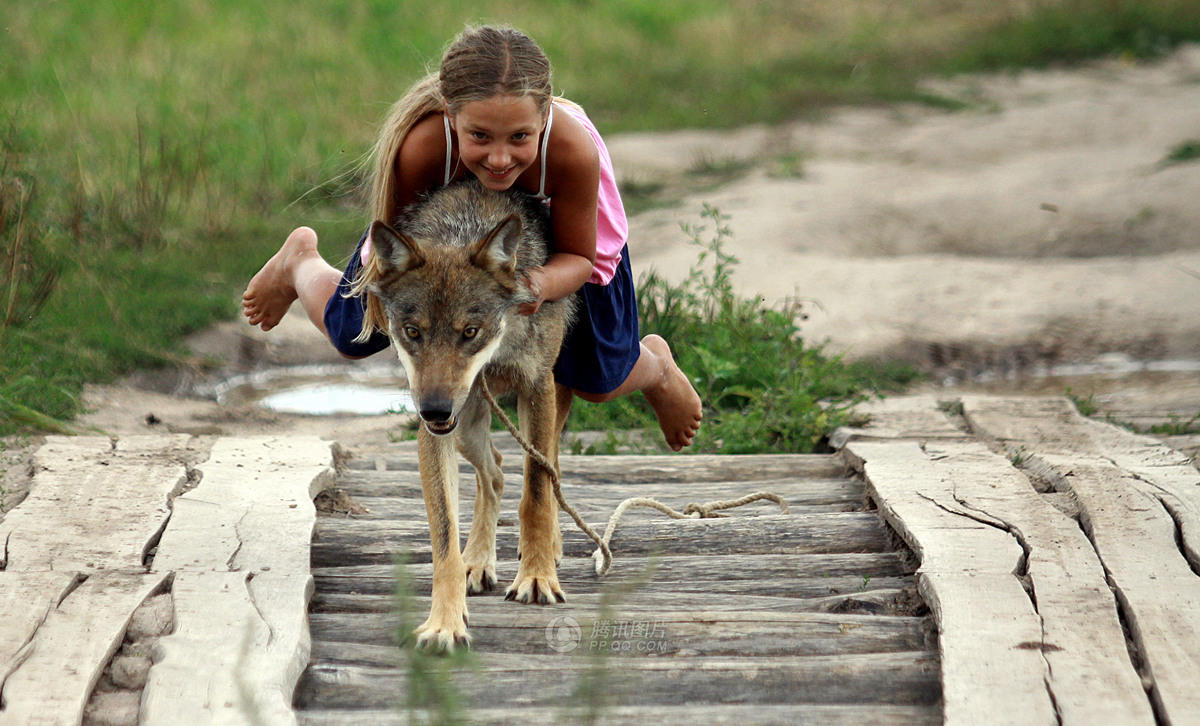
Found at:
[438, 416]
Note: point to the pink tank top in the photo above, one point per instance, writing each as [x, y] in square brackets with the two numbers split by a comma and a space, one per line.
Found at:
[612, 227]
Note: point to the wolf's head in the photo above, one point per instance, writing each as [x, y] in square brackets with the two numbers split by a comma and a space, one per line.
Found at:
[446, 306]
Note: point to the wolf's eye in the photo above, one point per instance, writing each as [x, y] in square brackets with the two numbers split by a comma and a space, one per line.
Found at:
[412, 332]
[470, 332]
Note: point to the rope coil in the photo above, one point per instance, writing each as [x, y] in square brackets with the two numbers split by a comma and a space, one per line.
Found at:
[603, 554]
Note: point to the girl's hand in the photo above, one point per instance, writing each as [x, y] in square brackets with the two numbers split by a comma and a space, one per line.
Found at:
[563, 274]
[532, 279]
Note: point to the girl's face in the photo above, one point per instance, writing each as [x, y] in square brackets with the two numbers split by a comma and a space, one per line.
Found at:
[498, 138]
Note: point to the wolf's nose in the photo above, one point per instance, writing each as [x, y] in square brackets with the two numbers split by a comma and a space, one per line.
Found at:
[436, 412]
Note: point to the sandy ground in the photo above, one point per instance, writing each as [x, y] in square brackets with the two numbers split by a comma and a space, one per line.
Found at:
[1039, 219]
[1037, 227]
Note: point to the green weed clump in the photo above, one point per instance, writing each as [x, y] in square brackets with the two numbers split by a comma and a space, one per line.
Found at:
[764, 389]
[1086, 405]
[1182, 153]
[1177, 426]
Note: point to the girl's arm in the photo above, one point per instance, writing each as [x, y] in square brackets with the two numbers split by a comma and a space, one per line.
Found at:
[573, 181]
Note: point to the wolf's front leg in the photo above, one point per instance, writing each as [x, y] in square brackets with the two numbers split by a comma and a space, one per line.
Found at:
[475, 444]
[446, 626]
[540, 543]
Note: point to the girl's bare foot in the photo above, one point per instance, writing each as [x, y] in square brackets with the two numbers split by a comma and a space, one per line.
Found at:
[675, 402]
[272, 291]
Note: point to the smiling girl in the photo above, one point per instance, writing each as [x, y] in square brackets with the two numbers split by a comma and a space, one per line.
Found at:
[489, 114]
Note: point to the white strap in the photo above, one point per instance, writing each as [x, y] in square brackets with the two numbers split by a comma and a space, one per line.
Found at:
[545, 145]
[449, 150]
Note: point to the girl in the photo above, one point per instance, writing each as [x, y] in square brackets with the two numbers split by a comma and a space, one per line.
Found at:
[489, 112]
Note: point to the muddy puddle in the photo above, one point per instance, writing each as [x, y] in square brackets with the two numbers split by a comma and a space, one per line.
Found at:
[319, 390]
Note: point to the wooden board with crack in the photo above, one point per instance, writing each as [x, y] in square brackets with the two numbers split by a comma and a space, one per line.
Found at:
[1028, 629]
[238, 547]
[1139, 503]
[109, 533]
[73, 571]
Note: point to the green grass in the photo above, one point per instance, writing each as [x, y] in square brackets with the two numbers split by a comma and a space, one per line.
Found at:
[1177, 426]
[1086, 405]
[153, 155]
[1183, 152]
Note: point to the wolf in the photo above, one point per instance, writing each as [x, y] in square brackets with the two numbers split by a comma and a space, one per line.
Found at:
[451, 280]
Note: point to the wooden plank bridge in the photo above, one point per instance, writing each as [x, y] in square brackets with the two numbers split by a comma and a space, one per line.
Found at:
[986, 560]
[753, 618]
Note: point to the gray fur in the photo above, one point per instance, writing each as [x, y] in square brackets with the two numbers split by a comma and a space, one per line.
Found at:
[432, 281]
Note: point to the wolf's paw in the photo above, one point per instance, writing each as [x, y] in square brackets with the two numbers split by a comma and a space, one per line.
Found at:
[530, 589]
[443, 635]
[481, 578]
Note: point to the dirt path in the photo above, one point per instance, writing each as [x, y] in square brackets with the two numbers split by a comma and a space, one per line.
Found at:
[1041, 219]
[1038, 226]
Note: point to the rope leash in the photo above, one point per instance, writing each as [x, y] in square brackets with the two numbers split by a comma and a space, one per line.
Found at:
[603, 553]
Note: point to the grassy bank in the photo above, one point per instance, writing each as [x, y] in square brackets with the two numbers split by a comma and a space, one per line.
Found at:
[765, 390]
[153, 155]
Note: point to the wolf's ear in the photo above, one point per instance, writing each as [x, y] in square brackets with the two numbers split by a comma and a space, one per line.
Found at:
[396, 252]
[497, 250]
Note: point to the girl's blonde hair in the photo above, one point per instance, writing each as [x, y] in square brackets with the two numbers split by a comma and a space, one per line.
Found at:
[482, 62]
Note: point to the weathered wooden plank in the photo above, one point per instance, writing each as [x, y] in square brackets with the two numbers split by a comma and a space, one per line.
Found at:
[990, 643]
[689, 715]
[877, 601]
[71, 647]
[404, 513]
[655, 468]
[840, 532]
[93, 506]
[667, 633]
[968, 577]
[253, 468]
[26, 599]
[804, 575]
[800, 499]
[521, 680]
[239, 547]
[813, 587]
[683, 568]
[1159, 593]
[405, 487]
[1053, 426]
[1090, 676]
[902, 417]
[1136, 505]
[231, 658]
[252, 509]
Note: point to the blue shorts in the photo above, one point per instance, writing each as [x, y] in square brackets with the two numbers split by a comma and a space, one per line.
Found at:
[344, 315]
[598, 352]
[603, 344]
